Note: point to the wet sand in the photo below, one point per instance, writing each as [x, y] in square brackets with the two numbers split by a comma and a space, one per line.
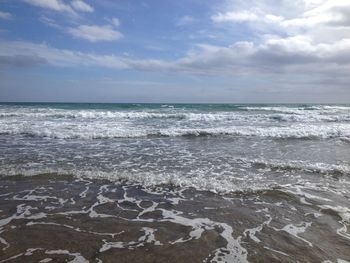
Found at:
[55, 218]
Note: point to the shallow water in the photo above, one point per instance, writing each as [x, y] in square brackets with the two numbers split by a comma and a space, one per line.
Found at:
[55, 217]
[252, 182]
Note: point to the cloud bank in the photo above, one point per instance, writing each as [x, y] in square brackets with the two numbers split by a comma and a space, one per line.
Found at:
[274, 56]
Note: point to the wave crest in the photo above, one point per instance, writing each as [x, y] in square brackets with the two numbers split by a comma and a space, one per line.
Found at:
[67, 131]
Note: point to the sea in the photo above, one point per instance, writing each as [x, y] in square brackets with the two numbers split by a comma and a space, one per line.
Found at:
[235, 182]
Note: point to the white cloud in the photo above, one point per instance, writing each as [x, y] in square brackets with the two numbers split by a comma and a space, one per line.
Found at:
[61, 6]
[324, 21]
[56, 5]
[5, 15]
[59, 57]
[79, 5]
[329, 13]
[302, 50]
[185, 20]
[94, 33]
[49, 22]
[306, 14]
[115, 21]
[242, 16]
[246, 16]
[272, 18]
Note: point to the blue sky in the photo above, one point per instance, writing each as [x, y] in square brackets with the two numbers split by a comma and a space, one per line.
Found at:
[175, 51]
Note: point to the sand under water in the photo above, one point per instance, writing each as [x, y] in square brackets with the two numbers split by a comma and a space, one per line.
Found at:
[55, 218]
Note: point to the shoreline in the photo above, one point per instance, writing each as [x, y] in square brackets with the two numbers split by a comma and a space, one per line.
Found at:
[65, 218]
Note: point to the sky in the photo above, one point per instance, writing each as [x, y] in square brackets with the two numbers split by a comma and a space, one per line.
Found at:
[229, 51]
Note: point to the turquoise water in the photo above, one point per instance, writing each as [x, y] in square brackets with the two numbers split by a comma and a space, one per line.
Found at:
[198, 106]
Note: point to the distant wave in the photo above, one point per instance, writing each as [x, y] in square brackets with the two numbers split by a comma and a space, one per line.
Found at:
[105, 131]
[287, 115]
[299, 110]
[309, 118]
[92, 115]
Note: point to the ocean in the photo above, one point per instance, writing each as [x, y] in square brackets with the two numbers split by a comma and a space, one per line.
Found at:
[235, 182]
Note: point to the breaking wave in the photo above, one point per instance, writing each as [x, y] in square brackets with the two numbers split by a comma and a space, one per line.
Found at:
[199, 180]
[105, 131]
[320, 168]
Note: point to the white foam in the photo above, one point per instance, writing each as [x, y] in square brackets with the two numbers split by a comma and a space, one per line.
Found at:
[233, 252]
[219, 182]
[316, 167]
[77, 229]
[344, 214]
[252, 231]
[78, 258]
[148, 237]
[295, 230]
[45, 260]
[23, 211]
[4, 242]
[105, 130]
[277, 251]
